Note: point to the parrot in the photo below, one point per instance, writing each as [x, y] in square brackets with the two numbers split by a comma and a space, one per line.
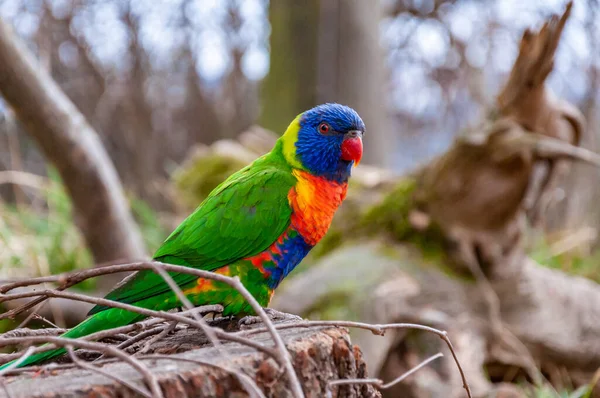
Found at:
[258, 225]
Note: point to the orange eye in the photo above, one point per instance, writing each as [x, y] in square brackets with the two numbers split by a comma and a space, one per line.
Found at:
[324, 128]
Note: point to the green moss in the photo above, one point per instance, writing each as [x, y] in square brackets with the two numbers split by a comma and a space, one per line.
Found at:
[392, 216]
[336, 304]
[573, 263]
[392, 213]
[331, 241]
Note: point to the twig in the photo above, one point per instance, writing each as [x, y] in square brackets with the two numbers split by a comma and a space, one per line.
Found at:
[54, 366]
[380, 331]
[141, 336]
[104, 348]
[46, 321]
[188, 304]
[246, 381]
[112, 376]
[31, 315]
[166, 330]
[378, 382]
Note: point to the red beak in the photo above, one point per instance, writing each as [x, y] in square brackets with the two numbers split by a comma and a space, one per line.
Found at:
[352, 148]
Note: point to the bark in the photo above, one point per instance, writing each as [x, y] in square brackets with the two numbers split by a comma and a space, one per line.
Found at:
[318, 355]
[69, 142]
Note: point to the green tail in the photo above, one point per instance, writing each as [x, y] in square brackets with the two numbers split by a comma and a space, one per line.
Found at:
[101, 321]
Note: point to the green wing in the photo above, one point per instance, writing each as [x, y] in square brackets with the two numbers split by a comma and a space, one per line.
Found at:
[241, 218]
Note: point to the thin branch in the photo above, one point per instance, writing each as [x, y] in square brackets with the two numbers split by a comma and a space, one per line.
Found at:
[24, 179]
[188, 304]
[165, 331]
[24, 332]
[141, 336]
[378, 382]
[38, 317]
[31, 315]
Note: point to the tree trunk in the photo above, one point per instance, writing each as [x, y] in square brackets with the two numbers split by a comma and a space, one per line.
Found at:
[68, 141]
[352, 70]
[328, 51]
[290, 86]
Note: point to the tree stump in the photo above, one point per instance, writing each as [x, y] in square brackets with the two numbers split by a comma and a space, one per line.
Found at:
[319, 355]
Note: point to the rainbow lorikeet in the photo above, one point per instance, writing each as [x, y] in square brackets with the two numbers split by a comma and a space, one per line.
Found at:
[258, 224]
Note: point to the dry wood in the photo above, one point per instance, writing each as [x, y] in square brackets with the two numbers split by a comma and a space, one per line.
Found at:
[526, 100]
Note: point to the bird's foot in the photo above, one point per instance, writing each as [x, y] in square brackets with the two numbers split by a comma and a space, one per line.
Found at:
[273, 315]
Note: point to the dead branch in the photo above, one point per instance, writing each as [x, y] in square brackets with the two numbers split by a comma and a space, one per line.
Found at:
[70, 143]
[526, 100]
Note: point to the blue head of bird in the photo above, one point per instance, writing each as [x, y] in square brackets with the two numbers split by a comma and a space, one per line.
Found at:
[326, 141]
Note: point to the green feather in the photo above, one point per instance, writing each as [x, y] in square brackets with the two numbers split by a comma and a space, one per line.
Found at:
[241, 218]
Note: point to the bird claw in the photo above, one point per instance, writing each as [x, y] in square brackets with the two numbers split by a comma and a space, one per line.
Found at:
[273, 315]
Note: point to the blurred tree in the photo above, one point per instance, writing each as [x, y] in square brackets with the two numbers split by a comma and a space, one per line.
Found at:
[291, 85]
[352, 69]
[328, 51]
[70, 143]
